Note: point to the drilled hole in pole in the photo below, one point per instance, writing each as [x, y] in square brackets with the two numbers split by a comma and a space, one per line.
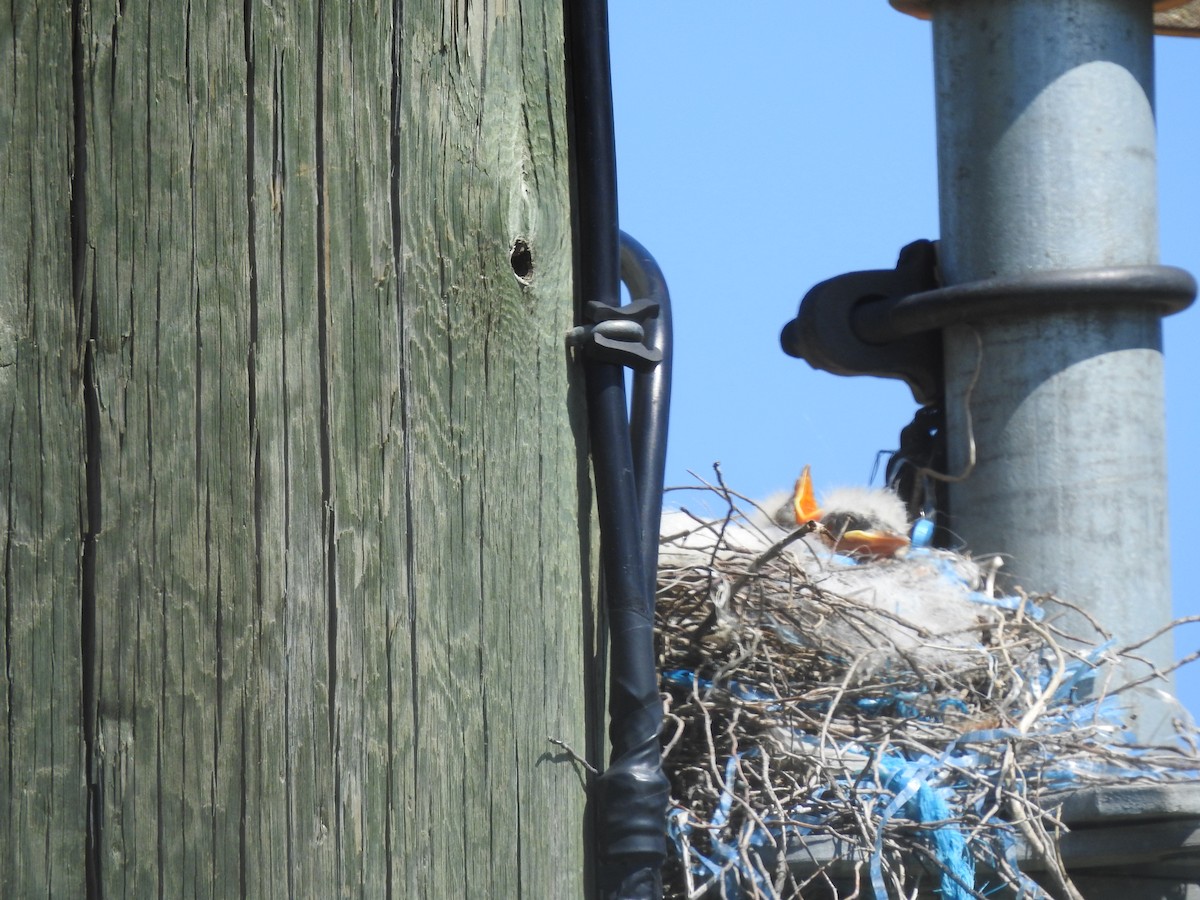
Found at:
[521, 259]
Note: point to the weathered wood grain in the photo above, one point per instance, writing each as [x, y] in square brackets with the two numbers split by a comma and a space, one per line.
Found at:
[43, 800]
[340, 594]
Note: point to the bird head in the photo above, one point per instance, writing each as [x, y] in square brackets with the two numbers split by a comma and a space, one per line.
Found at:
[863, 522]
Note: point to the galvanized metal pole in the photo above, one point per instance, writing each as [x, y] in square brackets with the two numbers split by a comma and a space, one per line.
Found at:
[1046, 151]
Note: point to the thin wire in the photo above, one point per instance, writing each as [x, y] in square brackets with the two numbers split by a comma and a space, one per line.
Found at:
[922, 471]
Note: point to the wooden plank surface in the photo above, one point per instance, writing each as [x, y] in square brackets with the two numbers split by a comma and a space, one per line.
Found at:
[42, 458]
[337, 470]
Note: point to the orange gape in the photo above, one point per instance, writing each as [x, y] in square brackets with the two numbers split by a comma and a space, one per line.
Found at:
[803, 501]
[872, 543]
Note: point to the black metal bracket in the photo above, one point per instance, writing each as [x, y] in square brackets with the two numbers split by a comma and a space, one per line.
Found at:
[1160, 289]
[616, 334]
[888, 322]
[823, 332]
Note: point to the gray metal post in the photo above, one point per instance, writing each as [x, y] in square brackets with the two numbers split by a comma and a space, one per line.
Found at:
[1046, 155]
[1044, 302]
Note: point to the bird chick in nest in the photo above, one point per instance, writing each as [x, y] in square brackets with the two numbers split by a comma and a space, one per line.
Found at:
[885, 603]
[856, 521]
[865, 523]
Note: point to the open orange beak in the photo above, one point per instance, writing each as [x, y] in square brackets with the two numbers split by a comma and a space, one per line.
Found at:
[871, 544]
[803, 500]
[868, 543]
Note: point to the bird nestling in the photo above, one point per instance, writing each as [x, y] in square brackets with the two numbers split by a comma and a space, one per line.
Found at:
[864, 523]
[927, 604]
[856, 521]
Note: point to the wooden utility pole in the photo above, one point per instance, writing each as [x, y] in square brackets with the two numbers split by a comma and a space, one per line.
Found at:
[294, 582]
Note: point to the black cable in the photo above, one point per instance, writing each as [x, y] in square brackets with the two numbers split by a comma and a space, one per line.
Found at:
[651, 398]
[631, 795]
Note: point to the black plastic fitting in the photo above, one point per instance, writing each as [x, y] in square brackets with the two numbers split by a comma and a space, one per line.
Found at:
[887, 322]
[823, 332]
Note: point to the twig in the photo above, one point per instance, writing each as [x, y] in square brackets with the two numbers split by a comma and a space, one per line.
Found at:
[575, 757]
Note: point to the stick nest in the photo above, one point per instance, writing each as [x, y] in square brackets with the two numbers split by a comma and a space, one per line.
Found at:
[819, 743]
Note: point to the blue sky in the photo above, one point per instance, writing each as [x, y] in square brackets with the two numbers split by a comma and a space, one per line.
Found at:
[766, 147]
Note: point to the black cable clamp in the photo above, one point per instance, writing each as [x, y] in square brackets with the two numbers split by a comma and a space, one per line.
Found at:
[616, 334]
[824, 334]
[888, 322]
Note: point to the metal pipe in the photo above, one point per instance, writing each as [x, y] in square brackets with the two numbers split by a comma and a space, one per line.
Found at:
[1046, 158]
